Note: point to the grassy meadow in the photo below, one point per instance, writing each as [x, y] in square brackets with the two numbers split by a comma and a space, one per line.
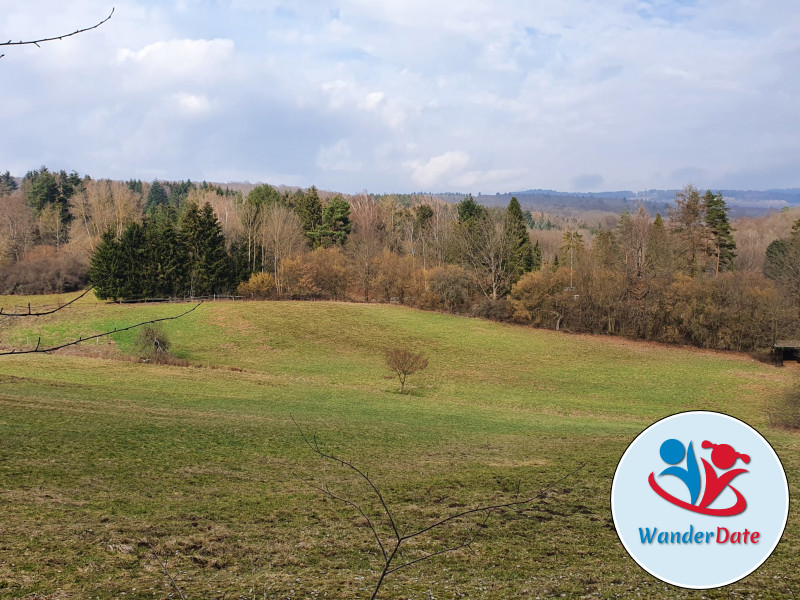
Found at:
[107, 464]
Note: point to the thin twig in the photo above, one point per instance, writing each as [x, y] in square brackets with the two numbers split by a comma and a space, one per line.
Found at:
[315, 447]
[47, 312]
[56, 37]
[467, 544]
[163, 563]
[325, 490]
[390, 554]
[511, 505]
[39, 349]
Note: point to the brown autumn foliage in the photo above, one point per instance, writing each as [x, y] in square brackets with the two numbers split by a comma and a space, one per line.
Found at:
[260, 286]
[321, 274]
[44, 270]
[634, 277]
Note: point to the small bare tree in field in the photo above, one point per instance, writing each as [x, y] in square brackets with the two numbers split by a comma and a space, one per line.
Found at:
[404, 362]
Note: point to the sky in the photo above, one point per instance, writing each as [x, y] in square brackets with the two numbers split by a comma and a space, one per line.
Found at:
[479, 96]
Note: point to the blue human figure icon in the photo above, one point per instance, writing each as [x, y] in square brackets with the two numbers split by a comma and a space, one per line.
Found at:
[672, 452]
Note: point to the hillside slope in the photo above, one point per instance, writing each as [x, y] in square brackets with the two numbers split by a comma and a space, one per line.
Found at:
[102, 458]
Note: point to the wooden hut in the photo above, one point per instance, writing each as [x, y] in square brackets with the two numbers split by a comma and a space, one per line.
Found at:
[786, 350]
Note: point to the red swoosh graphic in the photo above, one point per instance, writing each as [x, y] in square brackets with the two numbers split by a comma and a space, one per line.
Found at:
[737, 508]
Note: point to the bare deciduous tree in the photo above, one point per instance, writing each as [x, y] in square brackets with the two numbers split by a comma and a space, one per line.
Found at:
[16, 228]
[281, 237]
[98, 206]
[487, 251]
[365, 243]
[634, 233]
[404, 362]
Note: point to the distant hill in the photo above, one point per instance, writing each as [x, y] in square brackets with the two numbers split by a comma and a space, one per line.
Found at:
[741, 202]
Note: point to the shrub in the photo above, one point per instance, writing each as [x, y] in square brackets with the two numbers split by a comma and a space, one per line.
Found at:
[496, 310]
[259, 286]
[152, 343]
[452, 288]
[318, 274]
[43, 271]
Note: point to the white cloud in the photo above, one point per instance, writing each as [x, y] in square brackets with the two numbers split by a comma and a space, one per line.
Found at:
[178, 59]
[373, 100]
[337, 157]
[439, 168]
[358, 93]
[192, 104]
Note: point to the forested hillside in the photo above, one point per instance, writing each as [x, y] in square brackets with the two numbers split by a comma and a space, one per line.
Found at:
[690, 275]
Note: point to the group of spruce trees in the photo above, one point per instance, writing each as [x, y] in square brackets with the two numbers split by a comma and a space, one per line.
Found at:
[179, 250]
[164, 256]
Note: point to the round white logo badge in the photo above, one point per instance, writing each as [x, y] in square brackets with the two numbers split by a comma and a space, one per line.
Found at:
[699, 500]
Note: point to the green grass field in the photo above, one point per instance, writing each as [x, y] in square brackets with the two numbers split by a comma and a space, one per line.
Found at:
[105, 461]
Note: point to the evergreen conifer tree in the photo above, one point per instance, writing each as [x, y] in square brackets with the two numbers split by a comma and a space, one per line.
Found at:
[132, 260]
[7, 183]
[521, 257]
[783, 261]
[165, 266]
[658, 253]
[41, 189]
[470, 211]
[537, 257]
[105, 267]
[209, 267]
[263, 196]
[157, 196]
[335, 224]
[720, 231]
[309, 208]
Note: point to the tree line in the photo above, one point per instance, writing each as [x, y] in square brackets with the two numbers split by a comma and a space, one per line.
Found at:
[669, 278]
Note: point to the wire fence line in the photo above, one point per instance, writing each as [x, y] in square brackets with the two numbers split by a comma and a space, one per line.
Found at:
[181, 299]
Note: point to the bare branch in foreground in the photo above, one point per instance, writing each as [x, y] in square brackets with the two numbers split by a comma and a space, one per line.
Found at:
[163, 563]
[39, 350]
[30, 313]
[389, 548]
[55, 37]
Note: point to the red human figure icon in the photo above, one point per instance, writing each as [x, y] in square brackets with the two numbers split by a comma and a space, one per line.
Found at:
[724, 457]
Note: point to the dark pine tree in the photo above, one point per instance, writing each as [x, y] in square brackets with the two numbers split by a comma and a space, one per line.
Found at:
[309, 208]
[239, 262]
[722, 244]
[537, 257]
[157, 196]
[263, 196]
[133, 252]
[470, 211]
[209, 266]
[520, 241]
[335, 224]
[136, 186]
[783, 261]
[41, 189]
[165, 261]
[179, 192]
[7, 183]
[105, 267]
